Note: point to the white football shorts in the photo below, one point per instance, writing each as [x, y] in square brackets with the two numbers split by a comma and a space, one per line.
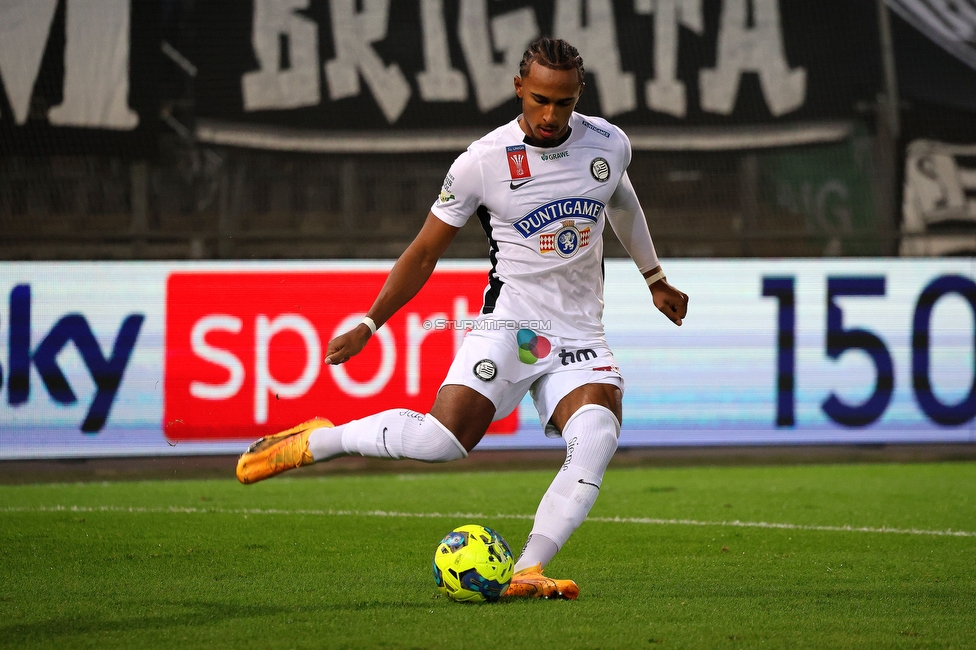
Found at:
[504, 364]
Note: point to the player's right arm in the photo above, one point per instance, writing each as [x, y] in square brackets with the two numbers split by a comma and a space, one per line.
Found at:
[407, 277]
[460, 196]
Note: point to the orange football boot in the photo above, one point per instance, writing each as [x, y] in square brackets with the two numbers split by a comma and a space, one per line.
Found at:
[530, 583]
[274, 454]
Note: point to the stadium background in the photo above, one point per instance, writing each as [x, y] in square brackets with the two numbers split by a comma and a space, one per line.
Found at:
[208, 136]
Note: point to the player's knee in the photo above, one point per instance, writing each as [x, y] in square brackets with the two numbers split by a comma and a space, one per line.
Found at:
[434, 444]
[594, 419]
[465, 413]
[591, 439]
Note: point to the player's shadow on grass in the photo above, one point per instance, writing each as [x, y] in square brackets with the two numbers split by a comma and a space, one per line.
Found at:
[186, 614]
[396, 605]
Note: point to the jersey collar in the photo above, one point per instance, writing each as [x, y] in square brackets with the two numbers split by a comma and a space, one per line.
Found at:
[516, 129]
[527, 140]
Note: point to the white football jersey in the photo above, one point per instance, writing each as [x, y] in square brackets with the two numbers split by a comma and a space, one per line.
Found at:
[543, 210]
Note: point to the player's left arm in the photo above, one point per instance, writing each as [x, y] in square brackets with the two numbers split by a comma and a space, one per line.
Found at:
[626, 217]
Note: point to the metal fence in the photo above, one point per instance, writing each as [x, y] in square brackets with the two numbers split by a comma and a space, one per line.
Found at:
[203, 202]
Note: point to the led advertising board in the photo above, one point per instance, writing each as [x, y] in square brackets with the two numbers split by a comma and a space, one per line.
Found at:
[125, 359]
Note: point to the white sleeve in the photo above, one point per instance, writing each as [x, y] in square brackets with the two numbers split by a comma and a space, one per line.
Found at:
[627, 220]
[462, 192]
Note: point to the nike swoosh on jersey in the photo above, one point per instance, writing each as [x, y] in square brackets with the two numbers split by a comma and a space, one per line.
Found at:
[588, 483]
[513, 186]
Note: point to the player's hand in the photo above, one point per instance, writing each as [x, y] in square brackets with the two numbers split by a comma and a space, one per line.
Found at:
[346, 346]
[671, 302]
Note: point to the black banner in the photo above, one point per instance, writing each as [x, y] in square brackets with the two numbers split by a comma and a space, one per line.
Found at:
[77, 80]
[409, 64]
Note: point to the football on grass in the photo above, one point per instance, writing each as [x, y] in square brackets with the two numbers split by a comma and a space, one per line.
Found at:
[473, 564]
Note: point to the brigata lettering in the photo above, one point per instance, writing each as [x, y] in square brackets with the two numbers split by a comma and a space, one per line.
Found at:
[542, 216]
[105, 372]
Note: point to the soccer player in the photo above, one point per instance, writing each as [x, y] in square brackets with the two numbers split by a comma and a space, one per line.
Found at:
[543, 186]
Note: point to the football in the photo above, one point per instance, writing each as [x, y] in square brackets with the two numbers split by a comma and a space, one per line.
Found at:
[473, 564]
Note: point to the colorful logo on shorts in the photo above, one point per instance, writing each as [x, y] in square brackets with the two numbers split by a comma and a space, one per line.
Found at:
[532, 346]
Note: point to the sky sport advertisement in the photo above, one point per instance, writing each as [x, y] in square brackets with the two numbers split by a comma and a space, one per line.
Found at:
[106, 359]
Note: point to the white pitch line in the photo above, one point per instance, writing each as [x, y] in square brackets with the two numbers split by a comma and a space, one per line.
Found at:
[766, 524]
[478, 515]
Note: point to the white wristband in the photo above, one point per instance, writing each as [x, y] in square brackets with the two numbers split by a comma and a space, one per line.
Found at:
[371, 324]
[654, 278]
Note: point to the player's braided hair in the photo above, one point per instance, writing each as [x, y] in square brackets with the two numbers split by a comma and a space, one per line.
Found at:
[553, 53]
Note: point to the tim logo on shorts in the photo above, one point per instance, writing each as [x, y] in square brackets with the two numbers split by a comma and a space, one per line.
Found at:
[567, 357]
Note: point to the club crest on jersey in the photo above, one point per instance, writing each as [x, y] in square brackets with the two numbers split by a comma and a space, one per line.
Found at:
[548, 213]
[600, 169]
[518, 162]
[566, 241]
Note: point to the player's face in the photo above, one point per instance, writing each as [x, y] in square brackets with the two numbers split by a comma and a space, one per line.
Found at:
[548, 99]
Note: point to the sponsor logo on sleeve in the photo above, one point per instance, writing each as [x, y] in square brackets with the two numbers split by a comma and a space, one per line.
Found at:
[445, 196]
[596, 129]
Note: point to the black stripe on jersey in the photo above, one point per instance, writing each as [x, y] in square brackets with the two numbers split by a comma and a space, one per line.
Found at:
[494, 282]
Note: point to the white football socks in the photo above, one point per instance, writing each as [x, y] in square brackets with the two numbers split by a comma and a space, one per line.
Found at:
[538, 549]
[397, 433]
[591, 439]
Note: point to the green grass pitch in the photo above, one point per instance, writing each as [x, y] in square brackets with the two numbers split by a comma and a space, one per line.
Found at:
[788, 556]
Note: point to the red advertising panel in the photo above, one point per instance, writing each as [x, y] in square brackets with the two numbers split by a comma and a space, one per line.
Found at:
[244, 351]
